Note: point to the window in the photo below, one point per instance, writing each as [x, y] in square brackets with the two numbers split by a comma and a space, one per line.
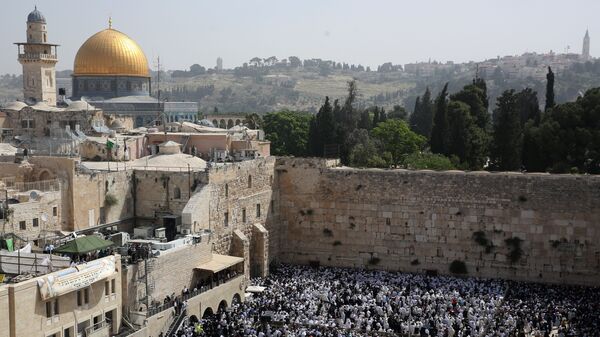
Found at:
[83, 296]
[226, 219]
[22, 225]
[27, 124]
[177, 193]
[114, 285]
[249, 181]
[258, 210]
[243, 215]
[226, 190]
[54, 211]
[35, 222]
[106, 288]
[52, 308]
[388, 221]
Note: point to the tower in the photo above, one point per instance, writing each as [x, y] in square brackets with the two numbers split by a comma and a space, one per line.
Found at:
[38, 58]
[585, 53]
[219, 64]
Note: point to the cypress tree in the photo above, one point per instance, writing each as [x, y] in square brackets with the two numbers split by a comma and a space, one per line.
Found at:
[365, 120]
[376, 117]
[439, 130]
[508, 137]
[549, 90]
[421, 119]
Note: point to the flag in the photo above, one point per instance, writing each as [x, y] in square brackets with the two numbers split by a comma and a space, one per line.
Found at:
[109, 144]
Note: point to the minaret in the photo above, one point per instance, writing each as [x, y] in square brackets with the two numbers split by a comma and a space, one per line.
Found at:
[585, 53]
[38, 58]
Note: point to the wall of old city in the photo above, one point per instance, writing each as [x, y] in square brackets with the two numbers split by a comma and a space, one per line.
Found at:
[243, 194]
[101, 197]
[417, 221]
[165, 192]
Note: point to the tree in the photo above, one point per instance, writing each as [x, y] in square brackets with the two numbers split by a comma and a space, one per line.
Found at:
[365, 120]
[253, 121]
[439, 130]
[421, 120]
[428, 161]
[476, 98]
[364, 151]
[397, 139]
[459, 136]
[288, 132]
[398, 112]
[322, 129]
[375, 117]
[508, 138]
[295, 62]
[549, 90]
[256, 61]
[528, 106]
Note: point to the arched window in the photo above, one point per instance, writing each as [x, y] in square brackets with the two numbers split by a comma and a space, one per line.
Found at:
[249, 181]
[229, 123]
[176, 193]
[226, 190]
[45, 38]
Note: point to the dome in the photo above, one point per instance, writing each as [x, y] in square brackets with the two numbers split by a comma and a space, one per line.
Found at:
[16, 106]
[80, 106]
[36, 16]
[110, 53]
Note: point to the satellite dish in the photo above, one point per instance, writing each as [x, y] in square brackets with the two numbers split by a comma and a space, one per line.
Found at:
[33, 195]
[44, 217]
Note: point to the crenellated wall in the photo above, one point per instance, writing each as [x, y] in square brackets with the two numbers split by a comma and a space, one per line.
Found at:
[422, 220]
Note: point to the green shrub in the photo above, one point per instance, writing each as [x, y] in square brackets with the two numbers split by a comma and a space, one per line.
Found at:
[110, 200]
[374, 260]
[514, 246]
[458, 267]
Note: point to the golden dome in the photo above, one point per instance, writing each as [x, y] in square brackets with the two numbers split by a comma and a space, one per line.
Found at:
[110, 53]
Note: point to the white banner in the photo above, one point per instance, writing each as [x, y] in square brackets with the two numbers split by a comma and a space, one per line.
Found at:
[75, 278]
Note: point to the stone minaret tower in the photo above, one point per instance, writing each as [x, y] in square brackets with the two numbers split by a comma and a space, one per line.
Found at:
[585, 53]
[38, 58]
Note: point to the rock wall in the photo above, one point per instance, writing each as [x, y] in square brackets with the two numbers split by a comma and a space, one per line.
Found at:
[244, 194]
[535, 227]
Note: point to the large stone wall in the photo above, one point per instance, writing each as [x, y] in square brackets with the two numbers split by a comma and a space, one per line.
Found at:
[422, 220]
[232, 193]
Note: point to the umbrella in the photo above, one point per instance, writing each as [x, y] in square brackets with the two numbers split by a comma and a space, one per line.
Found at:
[84, 245]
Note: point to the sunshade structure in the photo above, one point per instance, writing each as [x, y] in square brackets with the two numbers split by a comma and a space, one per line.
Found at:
[84, 245]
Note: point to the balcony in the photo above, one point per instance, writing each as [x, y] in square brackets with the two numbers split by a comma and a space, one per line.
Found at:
[101, 329]
[37, 56]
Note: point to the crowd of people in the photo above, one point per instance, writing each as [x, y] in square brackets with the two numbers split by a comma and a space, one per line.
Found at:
[305, 301]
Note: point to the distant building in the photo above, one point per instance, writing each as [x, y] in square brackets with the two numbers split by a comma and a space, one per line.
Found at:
[219, 64]
[585, 53]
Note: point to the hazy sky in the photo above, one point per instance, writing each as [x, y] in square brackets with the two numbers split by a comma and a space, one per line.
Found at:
[366, 32]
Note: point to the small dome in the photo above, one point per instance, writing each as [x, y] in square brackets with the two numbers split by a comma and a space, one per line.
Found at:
[80, 106]
[36, 16]
[116, 124]
[16, 106]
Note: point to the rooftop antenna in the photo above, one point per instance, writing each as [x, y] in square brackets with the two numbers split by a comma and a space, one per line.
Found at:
[159, 113]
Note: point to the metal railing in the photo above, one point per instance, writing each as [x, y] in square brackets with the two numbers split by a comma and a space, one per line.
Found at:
[51, 185]
[90, 330]
[38, 56]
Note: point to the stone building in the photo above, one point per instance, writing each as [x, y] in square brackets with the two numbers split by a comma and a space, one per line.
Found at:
[77, 301]
[38, 58]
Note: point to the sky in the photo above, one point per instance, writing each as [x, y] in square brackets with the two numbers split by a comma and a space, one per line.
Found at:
[367, 32]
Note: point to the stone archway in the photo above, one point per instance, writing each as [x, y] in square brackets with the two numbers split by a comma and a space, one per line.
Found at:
[238, 122]
[194, 319]
[222, 124]
[45, 175]
[222, 306]
[236, 299]
[229, 123]
[215, 123]
[208, 312]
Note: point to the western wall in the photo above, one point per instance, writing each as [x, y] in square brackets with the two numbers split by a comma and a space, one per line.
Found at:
[534, 227]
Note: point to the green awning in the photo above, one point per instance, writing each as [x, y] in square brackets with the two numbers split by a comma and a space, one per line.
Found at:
[84, 245]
